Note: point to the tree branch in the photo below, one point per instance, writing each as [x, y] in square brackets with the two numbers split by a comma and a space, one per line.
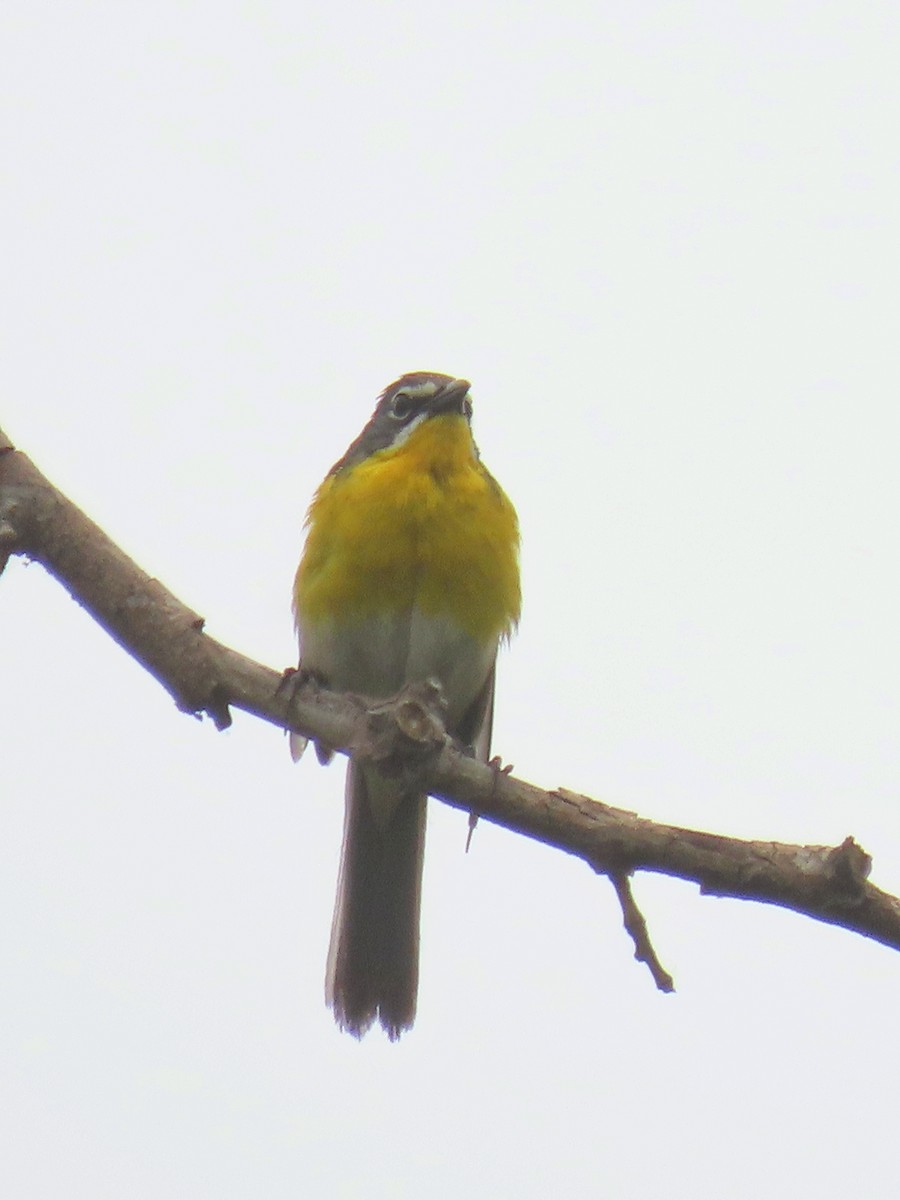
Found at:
[406, 736]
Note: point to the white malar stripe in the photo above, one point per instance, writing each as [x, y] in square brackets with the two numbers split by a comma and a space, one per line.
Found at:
[403, 433]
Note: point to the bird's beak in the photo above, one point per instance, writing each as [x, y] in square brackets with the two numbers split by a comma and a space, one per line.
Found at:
[451, 398]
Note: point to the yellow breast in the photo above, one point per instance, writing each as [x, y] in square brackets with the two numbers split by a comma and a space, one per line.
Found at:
[420, 525]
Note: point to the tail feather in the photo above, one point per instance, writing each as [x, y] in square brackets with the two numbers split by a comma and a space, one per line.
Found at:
[373, 960]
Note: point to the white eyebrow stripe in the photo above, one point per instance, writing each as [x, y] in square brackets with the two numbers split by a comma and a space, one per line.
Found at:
[419, 391]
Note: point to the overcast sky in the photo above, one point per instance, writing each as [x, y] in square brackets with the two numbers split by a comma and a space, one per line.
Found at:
[662, 241]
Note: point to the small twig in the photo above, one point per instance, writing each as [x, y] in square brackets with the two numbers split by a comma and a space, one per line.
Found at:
[473, 821]
[636, 926]
[499, 768]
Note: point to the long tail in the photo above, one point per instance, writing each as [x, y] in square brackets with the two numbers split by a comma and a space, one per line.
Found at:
[373, 959]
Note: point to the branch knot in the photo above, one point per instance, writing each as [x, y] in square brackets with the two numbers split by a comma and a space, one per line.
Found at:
[404, 735]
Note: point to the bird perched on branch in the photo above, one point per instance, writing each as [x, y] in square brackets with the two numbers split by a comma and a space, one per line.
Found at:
[409, 572]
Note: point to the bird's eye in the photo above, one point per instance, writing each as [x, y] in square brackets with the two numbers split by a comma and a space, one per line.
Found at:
[401, 406]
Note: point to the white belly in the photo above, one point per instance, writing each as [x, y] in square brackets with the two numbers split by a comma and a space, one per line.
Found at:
[378, 655]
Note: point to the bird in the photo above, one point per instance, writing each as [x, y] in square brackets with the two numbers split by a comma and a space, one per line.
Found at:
[409, 573]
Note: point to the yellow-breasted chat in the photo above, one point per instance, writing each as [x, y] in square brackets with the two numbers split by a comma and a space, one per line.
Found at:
[409, 572]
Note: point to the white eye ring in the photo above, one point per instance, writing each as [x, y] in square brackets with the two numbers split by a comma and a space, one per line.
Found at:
[402, 406]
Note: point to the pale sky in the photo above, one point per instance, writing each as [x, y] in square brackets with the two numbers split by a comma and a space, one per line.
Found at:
[662, 241]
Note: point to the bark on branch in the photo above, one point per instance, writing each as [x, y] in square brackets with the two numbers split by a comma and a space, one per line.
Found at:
[406, 735]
